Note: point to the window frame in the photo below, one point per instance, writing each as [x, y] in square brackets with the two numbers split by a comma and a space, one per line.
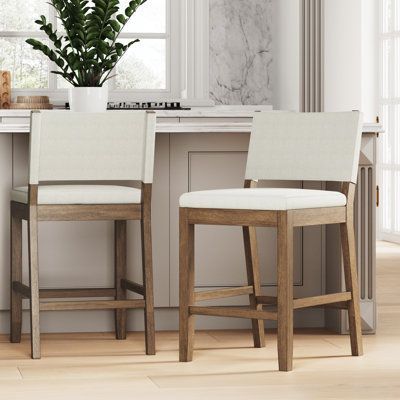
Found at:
[391, 140]
[187, 42]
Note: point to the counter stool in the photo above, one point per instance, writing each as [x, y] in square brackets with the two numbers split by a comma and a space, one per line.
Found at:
[283, 146]
[82, 148]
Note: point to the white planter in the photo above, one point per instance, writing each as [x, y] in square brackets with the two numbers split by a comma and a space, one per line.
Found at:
[88, 99]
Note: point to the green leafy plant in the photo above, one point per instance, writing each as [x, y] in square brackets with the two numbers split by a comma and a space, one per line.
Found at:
[88, 51]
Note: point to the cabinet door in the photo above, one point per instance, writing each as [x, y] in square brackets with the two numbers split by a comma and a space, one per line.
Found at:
[212, 161]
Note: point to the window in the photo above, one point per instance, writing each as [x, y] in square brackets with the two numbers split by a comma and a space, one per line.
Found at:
[389, 99]
[144, 72]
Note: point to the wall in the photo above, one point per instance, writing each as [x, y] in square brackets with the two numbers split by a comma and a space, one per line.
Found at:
[286, 51]
[352, 56]
[241, 51]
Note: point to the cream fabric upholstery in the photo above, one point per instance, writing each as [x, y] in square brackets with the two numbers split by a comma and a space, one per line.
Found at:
[262, 199]
[305, 146]
[116, 145]
[80, 194]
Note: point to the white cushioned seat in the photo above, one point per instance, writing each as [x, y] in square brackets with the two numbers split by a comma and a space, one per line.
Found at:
[80, 194]
[262, 199]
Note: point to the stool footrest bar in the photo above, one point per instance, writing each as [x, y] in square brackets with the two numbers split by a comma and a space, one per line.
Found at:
[25, 291]
[132, 286]
[91, 305]
[223, 293]
[234, 312]
[327, 299]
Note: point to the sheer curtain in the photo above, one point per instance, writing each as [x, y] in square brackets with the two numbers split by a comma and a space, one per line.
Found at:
[389, 99]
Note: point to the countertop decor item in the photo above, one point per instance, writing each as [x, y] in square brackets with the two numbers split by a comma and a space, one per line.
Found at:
[88, 51]
[32, 103]
[5, 89]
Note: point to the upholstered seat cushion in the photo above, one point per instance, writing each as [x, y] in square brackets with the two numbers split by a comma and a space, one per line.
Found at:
[80, 194]
[262, 199]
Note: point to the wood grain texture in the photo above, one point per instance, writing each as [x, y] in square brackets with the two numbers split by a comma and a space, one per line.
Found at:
[147, 268]
[15, 276]
[186, 286]
[133, 287]
[120, 237]
[232, 217]
[34, 271]
[327, 299]
[319, 216]
[350, 272]
[5, 89]
[285, 290]
[253, 275]
[223, 293]
[234, 312]
[64, 293]
[91, 305]
[89, 212]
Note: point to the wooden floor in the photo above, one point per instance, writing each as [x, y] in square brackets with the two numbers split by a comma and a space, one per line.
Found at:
[95, 366]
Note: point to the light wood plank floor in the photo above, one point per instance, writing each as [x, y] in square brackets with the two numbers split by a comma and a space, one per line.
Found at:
[95, 366]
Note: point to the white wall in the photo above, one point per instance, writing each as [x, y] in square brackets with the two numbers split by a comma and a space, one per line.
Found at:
[351, 56]
[370, 59]
[286, 51]
[343, 55]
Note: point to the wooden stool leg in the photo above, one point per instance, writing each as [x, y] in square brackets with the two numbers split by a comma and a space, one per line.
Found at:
[34, 284]
[285, 291]
[186, 287]
[351, 280]
[16, 276]
[120, 273]
[253, 278]
[147, 262]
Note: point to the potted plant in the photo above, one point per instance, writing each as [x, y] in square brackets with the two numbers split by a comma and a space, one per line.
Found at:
[88, 50]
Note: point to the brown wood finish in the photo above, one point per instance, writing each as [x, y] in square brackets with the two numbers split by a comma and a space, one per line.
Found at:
[89, 212]
[327, 299]
[284, 221]
[34, 270]
[120, 213]
[133, 286]
[25, 291]
[232, 217]
[350, 272]
[186, 286]
[91, 305]
[319, 216]
[15, 276]
[235, 312]
[285, 290]
[147, 267]
[120, 274]
[223, 293]
[253, 275]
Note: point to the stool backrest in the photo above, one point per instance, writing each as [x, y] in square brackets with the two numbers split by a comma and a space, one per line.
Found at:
[305, 146]
[114, 145]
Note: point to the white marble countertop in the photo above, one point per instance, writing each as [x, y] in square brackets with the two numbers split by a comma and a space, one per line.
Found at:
[182, 126]
[213, 112]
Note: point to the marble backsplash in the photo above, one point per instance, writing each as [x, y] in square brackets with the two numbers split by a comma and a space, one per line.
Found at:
[241, 51]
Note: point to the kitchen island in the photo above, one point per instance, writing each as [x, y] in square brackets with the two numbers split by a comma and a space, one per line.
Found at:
[204, 148]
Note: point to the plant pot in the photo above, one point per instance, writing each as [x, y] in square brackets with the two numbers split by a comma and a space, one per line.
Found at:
[88, 99]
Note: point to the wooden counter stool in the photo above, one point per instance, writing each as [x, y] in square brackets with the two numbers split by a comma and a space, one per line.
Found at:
[116, 146]
[283, 146]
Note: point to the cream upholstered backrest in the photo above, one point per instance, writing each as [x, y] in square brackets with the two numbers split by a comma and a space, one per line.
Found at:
[114, 145]
[305, 146]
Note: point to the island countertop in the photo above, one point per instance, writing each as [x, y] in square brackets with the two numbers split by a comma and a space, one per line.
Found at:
[217, 119]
